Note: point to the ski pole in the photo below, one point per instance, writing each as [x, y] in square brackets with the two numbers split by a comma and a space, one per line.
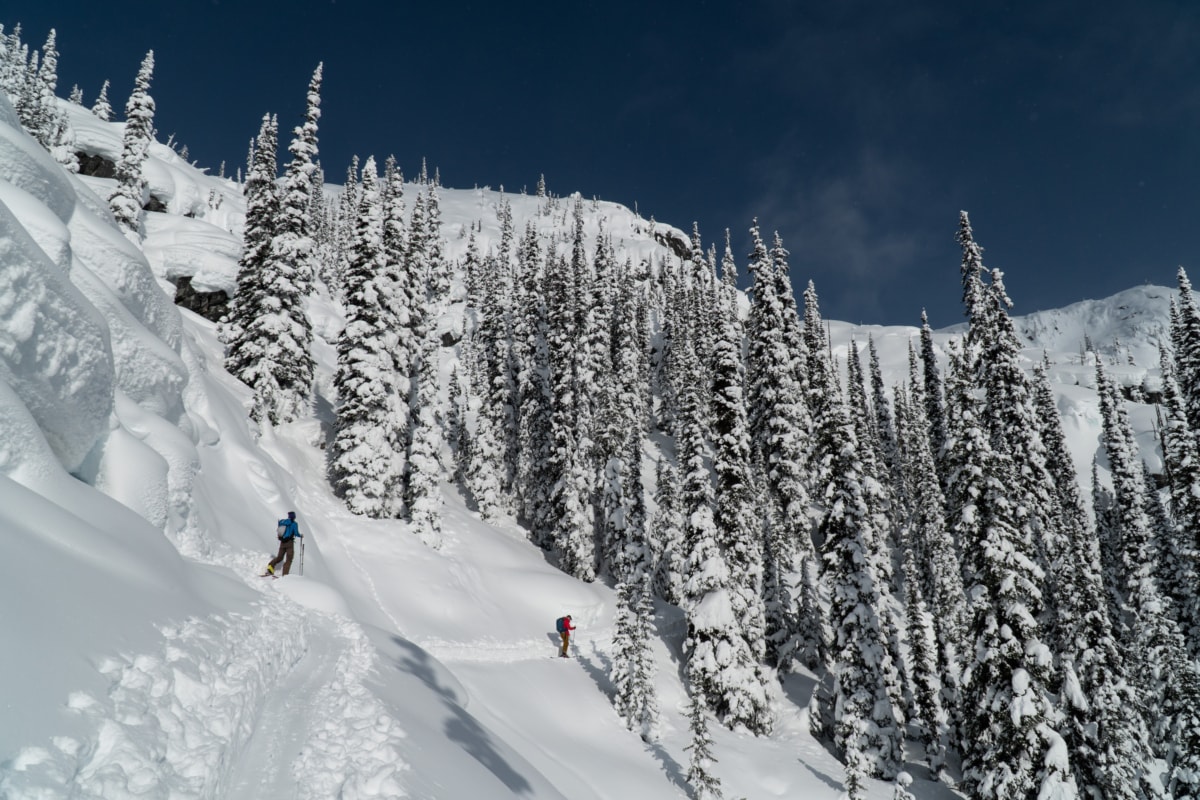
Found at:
[301, 555]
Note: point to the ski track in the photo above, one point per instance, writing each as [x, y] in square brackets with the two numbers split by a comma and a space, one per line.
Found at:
[269, 703]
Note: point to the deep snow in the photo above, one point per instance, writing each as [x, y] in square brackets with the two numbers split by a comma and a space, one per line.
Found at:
[144, 657]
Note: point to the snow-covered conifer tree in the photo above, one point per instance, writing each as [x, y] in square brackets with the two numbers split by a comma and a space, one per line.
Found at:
[534, 415]
[102, 108]
[705, 785]
[858, 709]
[1185, 341]
[719, 660]
[247, 343]
[1179, 551]
[362, 462]
[1166, 676]
[570, 417]
[667, 534]
[780, 426]
[933, 582]
[425, 471]
[739, 530]
[292, 262]
[633, 672]
[934, 393]
[1009, 528]
[483, 461]
[425, 494]
[1103, 726]
[126, 200]
[404, 295]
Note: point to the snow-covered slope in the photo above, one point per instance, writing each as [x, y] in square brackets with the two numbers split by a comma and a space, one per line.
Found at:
[143, 657]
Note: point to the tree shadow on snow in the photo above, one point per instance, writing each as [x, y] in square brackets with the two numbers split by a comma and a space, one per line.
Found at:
[674, 770]
[828, 780]
[461, 727]
[598, 667]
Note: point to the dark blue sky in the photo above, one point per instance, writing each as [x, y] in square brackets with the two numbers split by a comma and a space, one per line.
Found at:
[1070, 131]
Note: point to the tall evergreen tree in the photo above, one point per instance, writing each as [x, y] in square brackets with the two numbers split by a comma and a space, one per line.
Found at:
[934, 394]
[719, 660]
[425, 469]
[636, 699]
[1165, 675]
[1009, 716]
[361, 459]
[292, 262]
[1180, 548]
[779, 427]
[1185, 340]
[534, 401]
[738, 524]
[667, 534]
[705, 785]
[573, 535]
[853, 704]
[933, 579]
[247, 342]
[483, 458]
[126, 199]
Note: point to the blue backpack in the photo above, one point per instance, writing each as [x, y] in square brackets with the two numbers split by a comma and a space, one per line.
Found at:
[561, 624]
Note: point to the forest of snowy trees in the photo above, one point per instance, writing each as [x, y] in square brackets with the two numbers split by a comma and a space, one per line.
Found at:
[924, 549]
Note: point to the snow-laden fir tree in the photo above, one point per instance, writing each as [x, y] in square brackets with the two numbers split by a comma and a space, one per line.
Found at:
[1010, 745]
[934, 395]
[33, 100]
[931, 649]
[342, 235]
[425, 470]
[704, 783]
[497, 306]
[292, 264]
[126, 199]
[667, 534]
[934, 559]
[780, 427]
[622, 406]
[886, 512]
[739, 530]
[102, 108]
[1165, 675]
[76, 96]
[1103, 718]
[852, 705]
[633, 670]
[718, 659]
[573, 476]
[1185, 341]
[246, 341]
[885, 424]
[13, 58]
[406, 294]
[482, 457]
[1179, 550]
[534, 403]
[361, 459]
[36, 104]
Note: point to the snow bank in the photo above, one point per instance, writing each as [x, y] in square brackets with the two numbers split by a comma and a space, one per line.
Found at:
[54, 348]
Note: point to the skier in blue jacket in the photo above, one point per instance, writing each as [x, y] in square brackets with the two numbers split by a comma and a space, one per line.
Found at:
[287, 532]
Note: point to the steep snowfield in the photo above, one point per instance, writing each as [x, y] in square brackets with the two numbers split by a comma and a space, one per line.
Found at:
[144, 657]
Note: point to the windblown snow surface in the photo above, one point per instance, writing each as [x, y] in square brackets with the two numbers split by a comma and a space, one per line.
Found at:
[142, 656]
